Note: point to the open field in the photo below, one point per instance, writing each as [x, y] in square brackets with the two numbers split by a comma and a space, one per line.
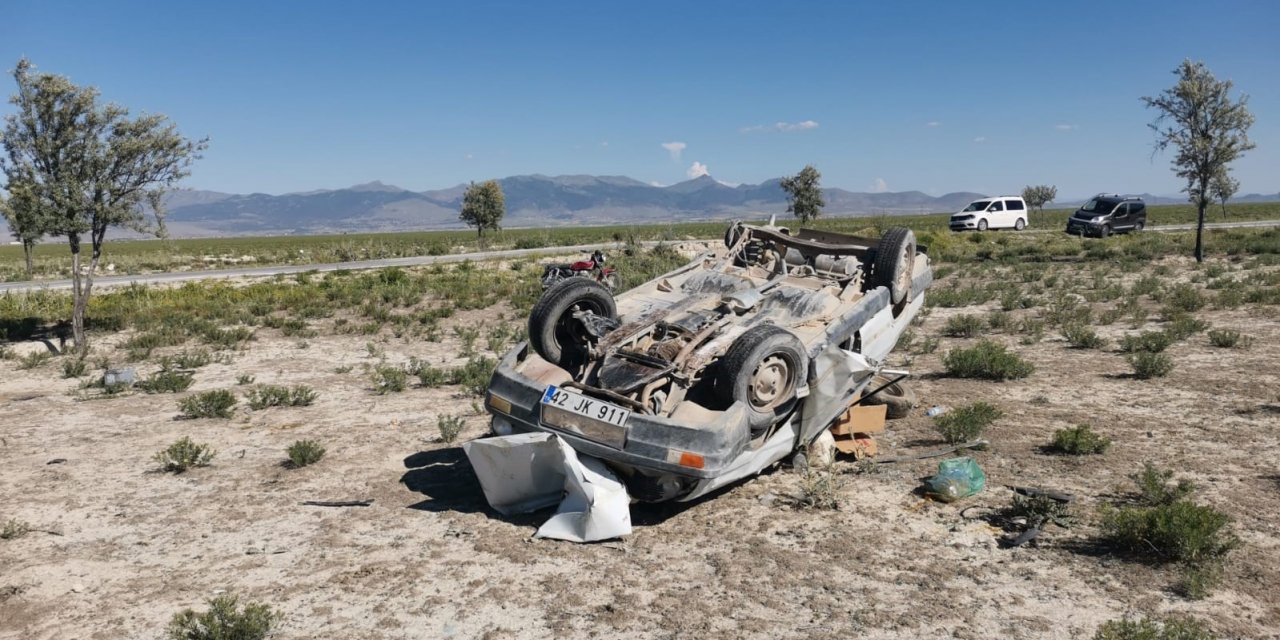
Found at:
[395, 356]
[150, 256]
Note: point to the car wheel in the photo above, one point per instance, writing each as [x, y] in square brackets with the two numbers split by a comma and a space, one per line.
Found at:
[763, 369]
[553, 332]
[982, 224]
[898, 398]
[895, 262]
[1106, 231]
[1020, 225]
[1139, 226]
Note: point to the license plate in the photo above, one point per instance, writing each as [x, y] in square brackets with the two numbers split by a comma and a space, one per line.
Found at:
[593, 419]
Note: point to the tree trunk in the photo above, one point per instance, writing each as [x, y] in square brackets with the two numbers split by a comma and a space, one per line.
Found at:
[28, 247]
[1201, 205]
[77, 294]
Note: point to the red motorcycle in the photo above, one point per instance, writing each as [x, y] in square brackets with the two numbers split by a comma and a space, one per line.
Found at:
[593, 268]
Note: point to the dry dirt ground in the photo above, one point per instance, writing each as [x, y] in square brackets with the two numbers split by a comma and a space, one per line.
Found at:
[429, 560]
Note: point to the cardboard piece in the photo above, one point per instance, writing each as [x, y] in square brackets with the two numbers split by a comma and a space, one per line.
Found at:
[868, 419]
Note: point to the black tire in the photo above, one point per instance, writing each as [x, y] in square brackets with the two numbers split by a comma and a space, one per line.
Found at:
[895, 262]
[1106, 231]
[763, 369]
[1020, 225]
[1139, 226]
[898, 398]
[982, 224]
[553, 333]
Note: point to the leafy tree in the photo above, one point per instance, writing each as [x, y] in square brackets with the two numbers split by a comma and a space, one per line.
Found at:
[804, 196]
[21, 211]
[90, 167]
[1040, 195]
[483, 206]
[1207, 129]
[1223, 188]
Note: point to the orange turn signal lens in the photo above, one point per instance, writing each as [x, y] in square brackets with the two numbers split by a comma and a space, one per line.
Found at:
[500, 403]
[692, 460]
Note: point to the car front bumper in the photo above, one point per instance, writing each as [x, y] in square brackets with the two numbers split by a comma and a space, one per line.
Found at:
[1077, 227]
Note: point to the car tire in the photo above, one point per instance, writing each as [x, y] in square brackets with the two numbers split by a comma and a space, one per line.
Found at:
[1139, 226]
[982, 224]
[894, 263]
[553, 333]
[763, 369]
[1105, 231]
[1020, 225]
[897, 398]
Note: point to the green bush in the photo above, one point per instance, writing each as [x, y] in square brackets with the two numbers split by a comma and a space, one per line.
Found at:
[273, 395]
[474, 376]
[187, 360]
[1079, 440]
[74, 367]
[208, 404]
[1229, 339]
[986, 360]
[34, 359]
[244, 378]
[1147, 341]
[184, 454]
[14, 529]
[1183, 326]
[1180, 531]
[819, 489]
[966, 423]
[1184, 298]
[1083, 337]
[1148, 629]
[304, 452]
[225, 620]
[1147, 365]
[167, 381]
[963, 326]
[1155, 489]
[450, 427]
[389, 379]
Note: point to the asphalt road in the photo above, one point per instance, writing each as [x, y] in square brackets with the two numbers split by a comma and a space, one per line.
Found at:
[105, 281]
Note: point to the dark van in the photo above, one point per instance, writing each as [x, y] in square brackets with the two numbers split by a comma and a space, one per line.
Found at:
[1105, 214]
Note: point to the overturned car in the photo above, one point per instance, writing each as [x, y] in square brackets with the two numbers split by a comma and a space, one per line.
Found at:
[720, 368]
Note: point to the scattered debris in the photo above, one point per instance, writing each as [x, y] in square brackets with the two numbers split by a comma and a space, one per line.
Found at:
[119, 377]
[957, 478]
[977, 445]
[853, 430]
[337, 503]
[56, 461]
[936, 411]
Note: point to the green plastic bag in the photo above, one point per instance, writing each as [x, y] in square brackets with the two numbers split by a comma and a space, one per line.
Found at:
[957, 478]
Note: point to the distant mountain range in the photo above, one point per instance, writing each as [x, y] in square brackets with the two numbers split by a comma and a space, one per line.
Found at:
[534, 201]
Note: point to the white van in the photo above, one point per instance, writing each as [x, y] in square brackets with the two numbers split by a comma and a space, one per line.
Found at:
[997, 212]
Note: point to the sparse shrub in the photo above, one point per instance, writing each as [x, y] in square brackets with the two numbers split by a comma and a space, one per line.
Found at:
[1147, 341]
[1149, 629]
[450, 427]
[225, 620]
[184, 454]
[389, 379]
[304, 452]
[227, 338]
[1229, 339]
[34, 359]
[999, 320]
[1082, 337]
[272, 395]
[1184, 298]
[167, 381]
[1183, 326]
[966, 423]
[1155, 489]
[245, 378]
[208, 404]
[475, 374]
[819, 489]
[1032, 330]
[14, 529]
[1180, 531]
[187, 360]
[963, 326]
[986, 360]
[1147, 365]
[928, 344]
[74, 367]
[1079, 440]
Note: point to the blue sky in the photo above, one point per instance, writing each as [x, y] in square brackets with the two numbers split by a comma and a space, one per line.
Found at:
[934, 96]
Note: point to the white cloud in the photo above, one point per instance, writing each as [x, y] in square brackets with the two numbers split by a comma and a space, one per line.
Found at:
[697, 170]
[980, 139]
[1066, 127]
[674, 148]
[785, 127]
[879, 186]
[933, 123]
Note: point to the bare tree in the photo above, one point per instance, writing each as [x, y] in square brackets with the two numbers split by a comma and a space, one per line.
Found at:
[91, 167]
[1223, 188]
[804, 196]
[1039, 195]
[1207, 129]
